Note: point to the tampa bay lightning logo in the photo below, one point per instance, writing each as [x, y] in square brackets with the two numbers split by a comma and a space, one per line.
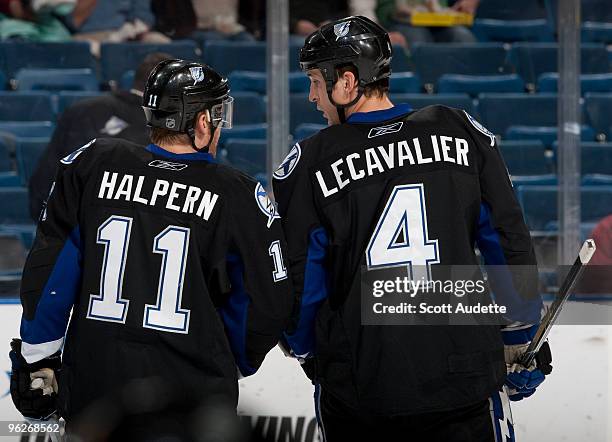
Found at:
[341, 29]
[289, 163]
[197, 73]
[480, 128]
[68, 159]
[265, 204]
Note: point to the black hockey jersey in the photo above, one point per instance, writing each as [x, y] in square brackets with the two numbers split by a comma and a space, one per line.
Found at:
[171, 264]
[440, 170]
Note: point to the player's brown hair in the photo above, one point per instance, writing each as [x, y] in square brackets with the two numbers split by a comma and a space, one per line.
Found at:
[160, 135]
[378, 89]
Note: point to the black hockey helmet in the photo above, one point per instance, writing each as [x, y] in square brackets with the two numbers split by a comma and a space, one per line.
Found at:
[178, 90]
[356, 41]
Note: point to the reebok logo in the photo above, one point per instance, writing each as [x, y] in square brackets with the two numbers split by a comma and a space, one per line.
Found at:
[384, 130]
[167, 165]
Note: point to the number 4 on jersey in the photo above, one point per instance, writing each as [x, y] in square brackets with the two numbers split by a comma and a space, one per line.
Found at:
[400, 237]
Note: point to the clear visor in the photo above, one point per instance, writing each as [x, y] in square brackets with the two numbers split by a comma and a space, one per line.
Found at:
[222, 113]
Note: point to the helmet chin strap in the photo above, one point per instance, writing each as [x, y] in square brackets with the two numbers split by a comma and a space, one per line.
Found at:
[340, 107]
[191, 133]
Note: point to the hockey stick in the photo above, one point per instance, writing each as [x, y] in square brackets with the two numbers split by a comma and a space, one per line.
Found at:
[584, 256]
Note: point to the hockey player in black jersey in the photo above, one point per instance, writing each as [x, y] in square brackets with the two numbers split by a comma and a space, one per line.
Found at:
[386, 187]
[171, 265]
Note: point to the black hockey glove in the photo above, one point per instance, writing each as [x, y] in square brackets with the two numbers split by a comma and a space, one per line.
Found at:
[38, 402]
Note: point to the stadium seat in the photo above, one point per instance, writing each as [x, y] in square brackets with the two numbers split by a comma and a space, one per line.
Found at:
[127, 80]
[528, 157]
[400, 61]
[514, 10]
[304, 131]
[478, 84]
[28, 128]
[597, 32]
[66, 55]
[549, 179]
[229, 56]
[500, 111]
[418, 101]
[3, 82]
[432, 60]
[509, 31]
[596, 158]
[8, 175]
[546, 134]
[248, 156]
[57, 80]
[116, 58]
[28, 152]
[597, 179]
[540, 204]
[26, 106]
[533, 59]
[14, 206]
[548, 82]
[404, 83]
[303, 111]
[244, 131]
[68, 98]
[599, 109]
[249, 108]
[249, 81]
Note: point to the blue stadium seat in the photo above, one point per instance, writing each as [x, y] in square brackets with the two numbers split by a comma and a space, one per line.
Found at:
[548, 82]
[533, 59]
[404, 83]
[67, 55]
[127, 80]
[14, 206]
[435, 59]
[509, 31]
[549, 179]
[304, 131]
[250, 81]
[28, 128]
[400, 61]
[26, 106]
[478, 84]
[294, 55]
[116, 58]
[68, 98]
[8, 175]
[500, 111]
[418, 101]
[597, 32]
[514, 10]
[28, 151]
[598, 109]
[3, 82]
[249, 108]
[596, 179]
[248, 156]
[546, 134]
[229, 56]
[540, 204]
[596, 158]
[528, 157]
[303, 111]
[244, 131]
[57, 80]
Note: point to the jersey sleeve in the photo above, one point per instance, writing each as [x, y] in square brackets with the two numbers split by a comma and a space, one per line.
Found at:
[308, 241]
[52, 273]
[261, 298]
[502, 235]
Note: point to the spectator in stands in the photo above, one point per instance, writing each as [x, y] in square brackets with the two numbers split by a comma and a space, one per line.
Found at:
[306, 16]
[40, 20]
[117, 115]
[175, 19]
[367, 8]
[99, 21]
[218, 20]
[395, 16]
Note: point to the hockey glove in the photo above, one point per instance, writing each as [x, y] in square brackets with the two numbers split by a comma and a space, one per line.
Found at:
[523, 381]
[34, 386]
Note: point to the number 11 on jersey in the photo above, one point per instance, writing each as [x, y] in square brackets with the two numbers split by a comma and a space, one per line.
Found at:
[400, 237]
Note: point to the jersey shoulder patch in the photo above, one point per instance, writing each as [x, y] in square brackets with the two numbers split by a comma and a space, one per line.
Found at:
[480, 128]
[69, 159]
[289, 163]
[265, 204]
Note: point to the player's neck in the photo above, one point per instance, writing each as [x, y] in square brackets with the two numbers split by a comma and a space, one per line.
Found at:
[184, 148]
[371, 104]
